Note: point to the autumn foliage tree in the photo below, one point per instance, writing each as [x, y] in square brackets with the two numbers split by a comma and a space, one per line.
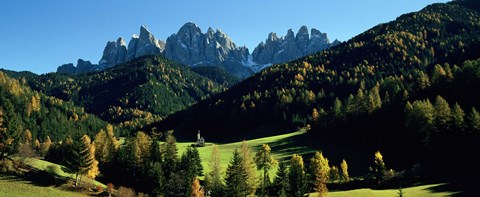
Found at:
[197, 191]
[297, 183]
[213, 179]
[344, 168]
[320, 173]
[249, 165]
[264, 162]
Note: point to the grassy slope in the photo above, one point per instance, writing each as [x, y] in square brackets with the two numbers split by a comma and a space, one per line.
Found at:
[283, 147]
[423, 190]
[11, 186]
[43, 165]
[306, 147]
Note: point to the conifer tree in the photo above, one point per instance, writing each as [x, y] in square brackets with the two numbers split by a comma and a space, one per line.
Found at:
[80, 158]
[344, 167]
[321, 172]
[264, 162]
[281, 180]
[442, 114]
[236, 177]
[458, 118]
[296, 177]
[474, 118]
[171, 153]
[249, 166]
[8, 144]
[379, 167]
[213, 179]
[337, 109]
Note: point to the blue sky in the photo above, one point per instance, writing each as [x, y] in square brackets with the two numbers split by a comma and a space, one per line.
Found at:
[39, 36]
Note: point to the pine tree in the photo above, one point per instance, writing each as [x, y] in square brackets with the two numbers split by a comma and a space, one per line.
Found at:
[249, 166]
[321, 172]
[236, 177]
[264, 162]
[45, 146]
[458, 118]
[474, 118]
[153, 171]
[80, 158]
[442, 114]
[344, 167]
[337, 109]
[170, 154]
[281, 180]
[213, 179]
[379, 167]
[191, 163]
[296, 177]
[8, 144]
[334, 173]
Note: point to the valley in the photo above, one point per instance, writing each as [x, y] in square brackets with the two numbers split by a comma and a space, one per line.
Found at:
[392, 107]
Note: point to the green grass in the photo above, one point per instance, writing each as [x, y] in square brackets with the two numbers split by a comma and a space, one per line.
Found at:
[283, 147]
[423, 190]
[11, 186]
[226, 150]
[277, 143]
[43, 165]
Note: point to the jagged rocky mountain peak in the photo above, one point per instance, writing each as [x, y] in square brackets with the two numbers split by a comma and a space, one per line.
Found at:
[192, 47]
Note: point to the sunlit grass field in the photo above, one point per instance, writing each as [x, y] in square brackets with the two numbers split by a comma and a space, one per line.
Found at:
[44, 166]
[11, 186]
[423, 190]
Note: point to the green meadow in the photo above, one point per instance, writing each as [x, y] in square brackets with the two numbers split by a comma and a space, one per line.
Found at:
[282, 148]
[47, 166]
[11, 186]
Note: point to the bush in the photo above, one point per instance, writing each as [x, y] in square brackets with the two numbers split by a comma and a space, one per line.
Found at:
[125, 192]
[7, 166]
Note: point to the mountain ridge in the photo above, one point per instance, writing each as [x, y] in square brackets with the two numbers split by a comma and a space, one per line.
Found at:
[192, 47]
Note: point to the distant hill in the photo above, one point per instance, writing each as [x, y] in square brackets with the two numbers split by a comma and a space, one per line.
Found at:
[134, 93]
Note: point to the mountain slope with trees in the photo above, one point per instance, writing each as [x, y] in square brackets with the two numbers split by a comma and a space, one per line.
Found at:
[135, 93]
[30, 117]
[363, 85]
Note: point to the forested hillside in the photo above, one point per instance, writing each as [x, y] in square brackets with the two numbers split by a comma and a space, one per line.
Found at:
[27, 111]
[135, 93]
[356, 93]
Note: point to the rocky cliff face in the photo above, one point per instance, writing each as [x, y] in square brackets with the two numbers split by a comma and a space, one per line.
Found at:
[82, 67]
[113, 54]
[214, 48]
[277, 50]
[145, 44]
[117, 52]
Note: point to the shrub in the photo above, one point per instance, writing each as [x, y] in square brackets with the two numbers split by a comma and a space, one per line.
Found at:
[125, 192]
